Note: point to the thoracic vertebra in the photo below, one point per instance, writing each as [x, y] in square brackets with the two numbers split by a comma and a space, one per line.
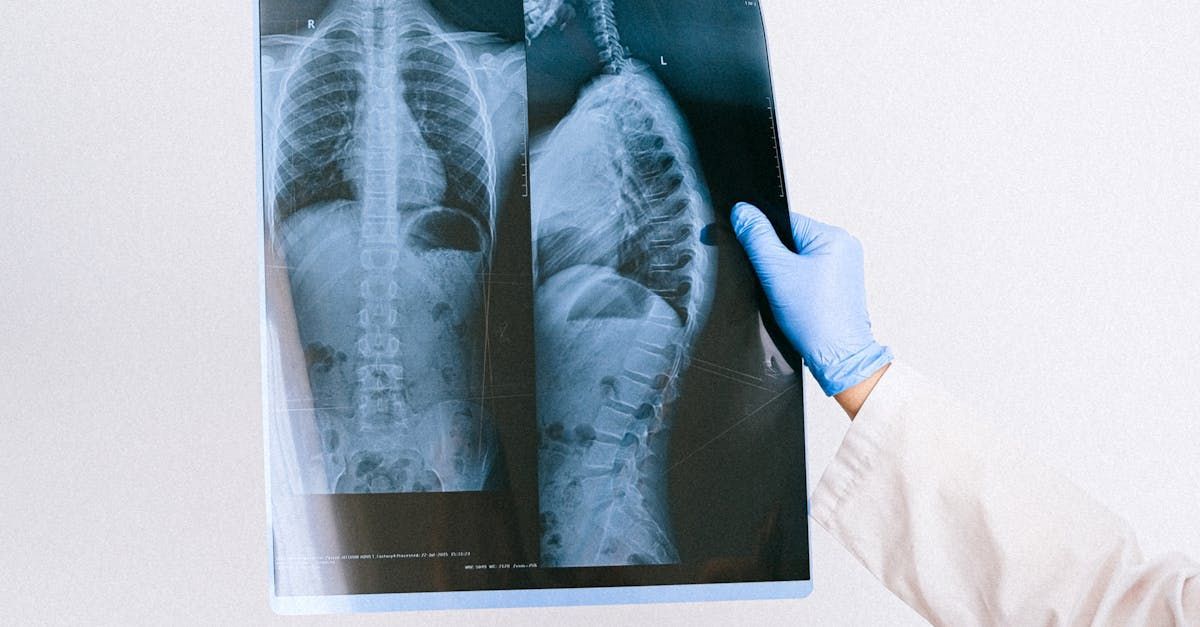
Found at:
[381, 112]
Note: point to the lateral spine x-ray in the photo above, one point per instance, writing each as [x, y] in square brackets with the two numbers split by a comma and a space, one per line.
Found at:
[619, 207]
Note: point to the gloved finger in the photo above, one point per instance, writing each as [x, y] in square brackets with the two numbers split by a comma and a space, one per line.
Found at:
[808, 233]
[757, 236]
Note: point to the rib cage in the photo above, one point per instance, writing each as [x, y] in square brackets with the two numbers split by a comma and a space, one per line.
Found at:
[380, 112]
[318, 113]
[448, 108]
[636, 184]
[658, 205]
[324, 118]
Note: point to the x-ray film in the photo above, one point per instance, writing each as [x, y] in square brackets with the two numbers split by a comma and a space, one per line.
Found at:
[512, 353]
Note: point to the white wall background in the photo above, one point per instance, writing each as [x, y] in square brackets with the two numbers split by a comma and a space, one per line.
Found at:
[1025, 177]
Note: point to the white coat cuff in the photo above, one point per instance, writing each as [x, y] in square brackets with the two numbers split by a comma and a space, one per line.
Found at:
[868, 435]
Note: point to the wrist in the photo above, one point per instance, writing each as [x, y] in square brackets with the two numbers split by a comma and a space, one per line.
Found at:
[852, 398]
[847, 372]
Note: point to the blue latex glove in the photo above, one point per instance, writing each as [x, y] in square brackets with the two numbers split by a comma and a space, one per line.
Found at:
[817, 294]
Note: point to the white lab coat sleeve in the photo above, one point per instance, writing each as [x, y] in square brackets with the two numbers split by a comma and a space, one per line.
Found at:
[950, 515]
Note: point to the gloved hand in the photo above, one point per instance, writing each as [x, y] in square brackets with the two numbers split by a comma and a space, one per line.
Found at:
[817, 294]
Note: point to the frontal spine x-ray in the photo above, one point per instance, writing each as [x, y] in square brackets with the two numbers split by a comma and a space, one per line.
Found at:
[624, 285]
[385, 186]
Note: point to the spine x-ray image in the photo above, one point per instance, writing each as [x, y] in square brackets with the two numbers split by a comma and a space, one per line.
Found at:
[392, 135]
[510, 342]
[624, 285]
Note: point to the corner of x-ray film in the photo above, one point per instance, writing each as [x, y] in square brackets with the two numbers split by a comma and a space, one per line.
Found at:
[389, 139]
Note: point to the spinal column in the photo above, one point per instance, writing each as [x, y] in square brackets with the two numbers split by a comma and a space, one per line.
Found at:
[624, 287]
[386, 197]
